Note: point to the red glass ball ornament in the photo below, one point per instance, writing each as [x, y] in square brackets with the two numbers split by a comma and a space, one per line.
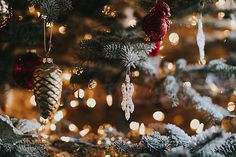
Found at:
[156, 23]
[24, 67]
[156, 51]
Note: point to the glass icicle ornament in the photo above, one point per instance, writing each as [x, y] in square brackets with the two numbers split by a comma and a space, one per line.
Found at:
[201, 40]
[127, 90]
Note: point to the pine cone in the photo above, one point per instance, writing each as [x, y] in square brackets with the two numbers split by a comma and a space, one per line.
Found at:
[47, 87]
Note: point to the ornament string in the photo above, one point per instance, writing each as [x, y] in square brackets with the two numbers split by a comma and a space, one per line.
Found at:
[47, 50]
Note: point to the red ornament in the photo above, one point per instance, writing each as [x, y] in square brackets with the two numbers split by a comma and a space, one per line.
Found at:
[156, 23]
[24, 68]
[156, 51]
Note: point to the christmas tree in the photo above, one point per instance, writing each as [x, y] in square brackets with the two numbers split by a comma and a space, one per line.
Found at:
[117, 78]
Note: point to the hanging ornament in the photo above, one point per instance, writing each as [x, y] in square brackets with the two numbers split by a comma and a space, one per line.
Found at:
[127, 90]
[47, 87]
[5, 13]
[155, 23]
[24, 68]
[201, 40]
[156, 51]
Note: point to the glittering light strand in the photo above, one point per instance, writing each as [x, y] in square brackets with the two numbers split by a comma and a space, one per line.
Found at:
[134, 126]
[109, 99]
[91, 102]
[194, 124]
[159, 116]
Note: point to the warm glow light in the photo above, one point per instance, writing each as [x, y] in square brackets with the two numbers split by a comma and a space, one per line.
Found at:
[200, 128]
[31, 9]
[74, 103]
[134, 125]
[220, 4]
[158, 115]
[231, 106]
[193, 20]
[32, 101]
[107, 156]
[92, 84]
[81, 93]
[221, 15]
[142, 129]
[170, 66]
[65, 139]
[187, 84]
[66, 76]
[194, 124]
[84, 132]
[132, 22]
[136, 73]
[76, 94]
[174, 38]
[53, 127]
[73, 127]
[58, 116]
[91, 102]
[88, 36]
[109, 100]
[62, 30]
[45, 136]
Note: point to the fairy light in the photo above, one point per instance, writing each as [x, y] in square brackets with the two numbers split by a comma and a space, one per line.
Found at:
[91, 102]
[73, 127]
[193, 20]
[132, 22]
[84, 132]
[45, 136]
[65, 139]
[170, 66]
[88, 36]
[231, 106]
[109, 99]
[134, 126]
[194, 124]
[62, 29]
[74, 103]
[220, 4]
[174, 38]
[159, 116]
[187, 84]
[58, 116]
[31, 9]
[76, 94]
[32, 101]
[66, 76]
[81, 93]
[53, 127]
[200, 128]
[107, 155]
[221, 15]
[136, 73]
[142, 129]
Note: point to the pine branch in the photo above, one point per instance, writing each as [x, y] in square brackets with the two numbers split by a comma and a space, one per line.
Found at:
[179, 152]
[123, 147]
[177, 136]
[205, 104]
[217, 66]
[172, 89]
[52, 8]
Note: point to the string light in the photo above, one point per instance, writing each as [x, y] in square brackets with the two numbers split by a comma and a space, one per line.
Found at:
[53, 127]
[221, 15]
[84, 132]
[74, 103]
[200, 128]
[134, 126]
[62, 29]
[73, 127]
[136, 73]
[174, 38]
[132, 22]
[32, 101]
[65, 139]
[92, 84]
[107, 156]
[158, 115]
[187, 84]
[193, 20]
[76, 94]
[194, 124]
[142, 129]
[88, 36]
[231, 106]
[91, 102]
[66, 76]
[81, 93]
[109, 99]
[31, 9]
[58, 116]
